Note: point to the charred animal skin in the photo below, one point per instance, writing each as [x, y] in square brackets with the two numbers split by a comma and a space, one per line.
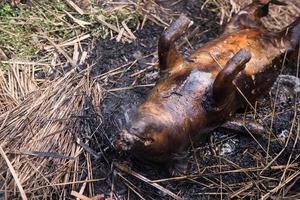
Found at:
[194, 97]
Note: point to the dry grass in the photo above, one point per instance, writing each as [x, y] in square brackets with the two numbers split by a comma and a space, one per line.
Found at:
[45, 134]
[279, 17]
[15, 84]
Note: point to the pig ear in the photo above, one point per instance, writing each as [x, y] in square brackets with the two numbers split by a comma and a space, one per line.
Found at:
[223, 85]
[167, 52]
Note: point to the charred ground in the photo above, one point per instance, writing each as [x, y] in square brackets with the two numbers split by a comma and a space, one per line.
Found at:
[230, 164]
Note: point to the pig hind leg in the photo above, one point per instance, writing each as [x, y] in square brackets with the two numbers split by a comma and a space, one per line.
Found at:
[250, 127]
[223, 86]
[249, 17]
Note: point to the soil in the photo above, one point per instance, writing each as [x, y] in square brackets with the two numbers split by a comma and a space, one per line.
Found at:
[232, 150]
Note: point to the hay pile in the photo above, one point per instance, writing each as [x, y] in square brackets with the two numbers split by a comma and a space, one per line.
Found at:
[44, 135]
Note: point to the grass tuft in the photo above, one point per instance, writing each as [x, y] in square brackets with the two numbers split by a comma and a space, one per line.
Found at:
[22, 29]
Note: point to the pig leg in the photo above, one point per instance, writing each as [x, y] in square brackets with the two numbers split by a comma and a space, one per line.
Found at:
[167, 52]
[249, 17]
[223, 86]
[250, 126]
[246, 126]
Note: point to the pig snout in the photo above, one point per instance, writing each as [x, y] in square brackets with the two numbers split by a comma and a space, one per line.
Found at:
[126, 141]
[134, 137]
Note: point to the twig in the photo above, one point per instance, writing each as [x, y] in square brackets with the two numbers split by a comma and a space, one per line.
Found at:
[24, 63]
[66, 183]
[60, 50]
[178, 178]
[3, 55]
[193, 34]
[129, 88]
[82, 189]
[274, 190]
[73, 5]
[8, 32]
[143, 70]
[128, 30]
[83, 57]
[130, 186]
[101, 19]
[163, 23]
[285, 146]
[70, 43]
[78, 21]
[80, 196]
[45, 154]
[87, 148]
[250, 185]
[120, 34]
[14, 174]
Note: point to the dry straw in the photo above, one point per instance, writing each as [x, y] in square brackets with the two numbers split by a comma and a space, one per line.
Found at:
[41, 136]
[15, 83]
[279, 16]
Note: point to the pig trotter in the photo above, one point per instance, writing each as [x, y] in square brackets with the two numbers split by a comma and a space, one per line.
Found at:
[223, 86]
[168, 54]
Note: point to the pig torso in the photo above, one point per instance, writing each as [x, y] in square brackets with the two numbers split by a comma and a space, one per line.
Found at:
[193, 97]
[182, 100]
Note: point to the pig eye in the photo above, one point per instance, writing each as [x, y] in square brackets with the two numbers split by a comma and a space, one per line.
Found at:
[148, 142]
[135, 130]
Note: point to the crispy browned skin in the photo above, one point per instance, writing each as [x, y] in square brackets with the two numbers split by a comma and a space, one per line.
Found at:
[194, 97]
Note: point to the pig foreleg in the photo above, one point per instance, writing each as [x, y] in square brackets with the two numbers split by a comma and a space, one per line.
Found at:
[168, 54]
